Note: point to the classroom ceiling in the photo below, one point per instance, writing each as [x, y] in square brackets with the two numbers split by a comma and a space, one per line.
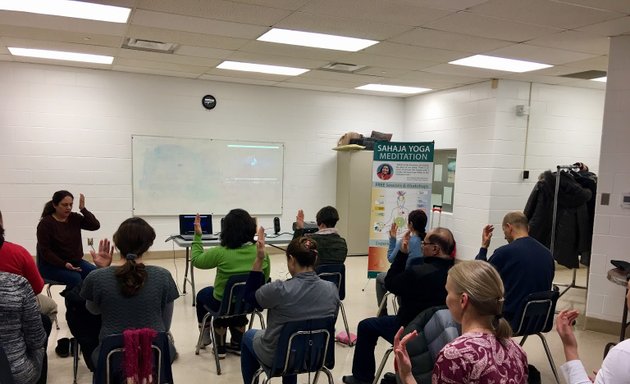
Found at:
[417, 39]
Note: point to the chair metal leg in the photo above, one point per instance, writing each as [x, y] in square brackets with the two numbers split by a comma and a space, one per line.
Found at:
[345, 323]
[549, 357]
[200, 339]
[395, 304]
[74, 344]
[329, 375]
[523, 340]
[383, 303]
[214, 346]
[260, 318]
[50, 297]
[256, 376]
[382, 365]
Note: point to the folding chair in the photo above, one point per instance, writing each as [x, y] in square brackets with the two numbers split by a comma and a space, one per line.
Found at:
[383, 303]
[233, 304]
[336, 273]
[304, 346]
[110, 360]
[537, 318]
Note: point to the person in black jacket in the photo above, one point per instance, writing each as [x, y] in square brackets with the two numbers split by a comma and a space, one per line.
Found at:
[418, 288]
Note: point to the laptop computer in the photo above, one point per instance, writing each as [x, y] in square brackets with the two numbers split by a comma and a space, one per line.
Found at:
[187, 227]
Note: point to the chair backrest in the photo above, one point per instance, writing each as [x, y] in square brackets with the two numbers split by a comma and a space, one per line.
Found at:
[537, 314]
[6, 377]
[335, 273]
[304, 346]
[233, 302]
[110, 360]
[436, 328]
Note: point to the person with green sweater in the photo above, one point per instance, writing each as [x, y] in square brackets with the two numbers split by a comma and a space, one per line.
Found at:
[234, 256]
[332, 248]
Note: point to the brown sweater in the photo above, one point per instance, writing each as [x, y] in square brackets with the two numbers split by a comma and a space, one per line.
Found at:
[60, 242]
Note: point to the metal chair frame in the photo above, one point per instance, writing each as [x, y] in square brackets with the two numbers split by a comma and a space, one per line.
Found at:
[120, 350]
[229, 300]
[49, 284]
[339, 278]
[551, 303]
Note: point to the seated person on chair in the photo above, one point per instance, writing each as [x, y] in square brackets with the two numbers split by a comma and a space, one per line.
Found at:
[304, 296]
[419, 287]
[332, 248]
[416, 223]
[59, 244]
[615, 367]
[15, 259]
[22, 336]
[131, 294]
[234, 256]
[524, 264]
[485, 352]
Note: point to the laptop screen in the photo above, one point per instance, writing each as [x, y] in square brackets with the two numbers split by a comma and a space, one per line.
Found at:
[187, 224]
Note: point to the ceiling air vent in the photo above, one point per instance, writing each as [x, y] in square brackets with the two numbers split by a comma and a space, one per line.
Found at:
[342, 67]
[586, 75]
[149, 45]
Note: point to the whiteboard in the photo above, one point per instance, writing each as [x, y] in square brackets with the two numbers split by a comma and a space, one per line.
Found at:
[174, 175]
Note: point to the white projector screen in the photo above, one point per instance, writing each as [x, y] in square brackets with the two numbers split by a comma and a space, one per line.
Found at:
[181, 175]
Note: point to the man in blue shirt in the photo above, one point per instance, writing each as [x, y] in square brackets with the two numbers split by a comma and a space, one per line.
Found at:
[525, 265]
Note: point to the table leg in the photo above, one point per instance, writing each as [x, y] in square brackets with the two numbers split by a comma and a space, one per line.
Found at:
[186, 270]
[192, 284]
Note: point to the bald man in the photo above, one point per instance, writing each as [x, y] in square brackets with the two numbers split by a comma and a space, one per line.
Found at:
[525, 265]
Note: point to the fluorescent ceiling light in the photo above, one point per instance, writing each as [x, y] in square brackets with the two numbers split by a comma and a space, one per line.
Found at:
[316, 40]
[66, 8]
[261, 68]
[393, 89]
[600, 79]
[500, 63]
[61, 55]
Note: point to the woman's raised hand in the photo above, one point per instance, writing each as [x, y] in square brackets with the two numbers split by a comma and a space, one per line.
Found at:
[260, 244]
[197, 225]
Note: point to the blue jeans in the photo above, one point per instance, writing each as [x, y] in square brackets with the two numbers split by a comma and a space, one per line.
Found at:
[368, 332]
[249, 361]
[63, 275]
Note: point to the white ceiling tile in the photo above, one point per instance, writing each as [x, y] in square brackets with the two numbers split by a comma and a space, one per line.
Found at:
[599, 63]
[343, 77]
[232, 11]
[212, 53]
[270, 59]
[413, 52]
[383, 72]
[456, 41]
[265, 48]
[161, 65]
[310, 87]
[246, 75]
[574, 41]
[304, 21]
[293, 5]
[196, 25]
[360, 58]
[233, 79]
[622, 6]
[489, 27]
[543, 12]
[452, 5]
[57, 35]
[393, 11]
[169, 58]
[154, 71]
[184, 38]
[327, 82]
[59, 46]
[537, 54]
[459, 70]
[609, 28]
[436, 80]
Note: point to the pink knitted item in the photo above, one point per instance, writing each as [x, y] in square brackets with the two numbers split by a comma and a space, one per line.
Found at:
[138, 357]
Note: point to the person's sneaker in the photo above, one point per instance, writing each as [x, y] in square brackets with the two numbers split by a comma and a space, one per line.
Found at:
[221, 351]
[234, 348]
[353, 380]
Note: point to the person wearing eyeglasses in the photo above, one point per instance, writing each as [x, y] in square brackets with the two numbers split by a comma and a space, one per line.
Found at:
[418, 288]
[525, 265]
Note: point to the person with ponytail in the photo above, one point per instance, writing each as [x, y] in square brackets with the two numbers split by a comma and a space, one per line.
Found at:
[131, 294]
[485, 352]
[303, 296]
[59, 243]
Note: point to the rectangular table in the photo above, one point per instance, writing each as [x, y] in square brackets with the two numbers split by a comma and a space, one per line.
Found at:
[271, 240]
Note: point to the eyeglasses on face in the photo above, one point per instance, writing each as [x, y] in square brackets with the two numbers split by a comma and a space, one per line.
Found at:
[427, 243]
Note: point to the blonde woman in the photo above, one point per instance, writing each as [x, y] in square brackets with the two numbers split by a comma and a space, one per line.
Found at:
[485, 352]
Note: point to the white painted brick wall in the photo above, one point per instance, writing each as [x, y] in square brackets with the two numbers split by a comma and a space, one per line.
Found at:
[66, 128]
[611, 239]
[481, 123]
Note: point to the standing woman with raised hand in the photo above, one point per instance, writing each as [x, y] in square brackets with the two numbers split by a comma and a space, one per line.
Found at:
[59, 243]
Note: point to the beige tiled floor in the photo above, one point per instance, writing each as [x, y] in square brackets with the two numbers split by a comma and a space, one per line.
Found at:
[360, 302]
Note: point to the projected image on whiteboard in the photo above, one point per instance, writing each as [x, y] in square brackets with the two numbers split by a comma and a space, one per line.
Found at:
[174, 175]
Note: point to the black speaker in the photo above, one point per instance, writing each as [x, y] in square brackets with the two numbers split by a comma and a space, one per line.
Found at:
[276, 225]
